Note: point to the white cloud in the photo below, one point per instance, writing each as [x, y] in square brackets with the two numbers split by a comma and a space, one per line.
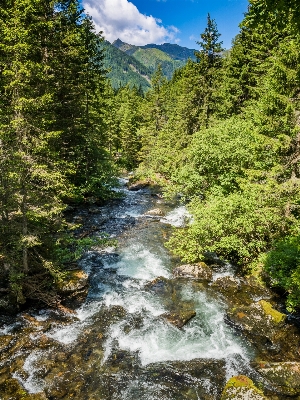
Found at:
[121, 19]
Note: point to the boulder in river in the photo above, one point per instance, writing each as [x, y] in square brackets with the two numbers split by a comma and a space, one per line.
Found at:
[74, 288]
[75, 280]
[155, 212]
[138, 185]
[267, 329]
[241, 291]
[180, 311]
[198, 271]
[12, 389]
[241, 387]
[179, 318]
[195, 379]
[284, 377]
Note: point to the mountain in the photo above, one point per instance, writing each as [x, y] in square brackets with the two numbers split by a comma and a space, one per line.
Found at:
[124, 69]
[134, 65]
[170, 56]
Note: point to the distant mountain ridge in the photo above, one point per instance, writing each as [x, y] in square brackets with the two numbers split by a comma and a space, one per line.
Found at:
[134, 65]
[175, 51]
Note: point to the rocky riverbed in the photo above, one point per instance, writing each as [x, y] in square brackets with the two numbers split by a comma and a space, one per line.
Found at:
[150, 328]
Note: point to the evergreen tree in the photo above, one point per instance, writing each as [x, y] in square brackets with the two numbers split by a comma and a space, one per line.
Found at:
[31, 213]
[210, 63]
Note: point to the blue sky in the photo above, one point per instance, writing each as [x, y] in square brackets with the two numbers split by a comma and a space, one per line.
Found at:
[157, 21]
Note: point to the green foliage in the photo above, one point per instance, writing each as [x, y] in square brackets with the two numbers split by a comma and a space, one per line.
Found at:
[283, 265]
[238, 226]
[218, 158]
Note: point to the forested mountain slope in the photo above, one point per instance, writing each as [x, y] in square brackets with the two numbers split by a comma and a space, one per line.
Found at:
[169, 56]
[125, 69]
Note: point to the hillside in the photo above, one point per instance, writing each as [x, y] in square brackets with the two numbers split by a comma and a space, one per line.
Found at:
[124, 69]
[170, 56]
[175, 51]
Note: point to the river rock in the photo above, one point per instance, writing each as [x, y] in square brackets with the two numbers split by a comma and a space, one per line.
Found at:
[195, 379]
[179, 318]
[12, 389]
[74, 281]
[284, 377]
[160, 286]
[137, 185]
[180, 312]
[5, 341]
[241, 291]
[265, 327]
[242, 388]
[196, 271]
[156, 212]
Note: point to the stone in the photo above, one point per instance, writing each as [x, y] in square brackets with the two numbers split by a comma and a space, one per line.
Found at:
[137, 185]
[160, 286]
[196, 379]
[284, 377]
[264, 326]
[156, 212]
[195, 271]
[5, 341]
[241, 388]
[180, 312]
[241, 291]
[12, 389]
[75, 280]
[179, 318]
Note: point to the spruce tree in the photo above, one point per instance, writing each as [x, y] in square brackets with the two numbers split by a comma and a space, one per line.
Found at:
[210, 62]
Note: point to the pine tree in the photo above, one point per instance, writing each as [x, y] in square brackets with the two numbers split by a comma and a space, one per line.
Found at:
[210, 63]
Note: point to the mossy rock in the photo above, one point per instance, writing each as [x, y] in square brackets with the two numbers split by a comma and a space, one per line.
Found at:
[284, 377]
[241, 387]
[241, 291]
[74, 281]
[262, 325]
[11, 389]
[276, 316]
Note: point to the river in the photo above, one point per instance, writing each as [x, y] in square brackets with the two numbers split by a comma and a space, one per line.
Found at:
[117, 345]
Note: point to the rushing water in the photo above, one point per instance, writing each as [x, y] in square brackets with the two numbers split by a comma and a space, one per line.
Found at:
[137, 354]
